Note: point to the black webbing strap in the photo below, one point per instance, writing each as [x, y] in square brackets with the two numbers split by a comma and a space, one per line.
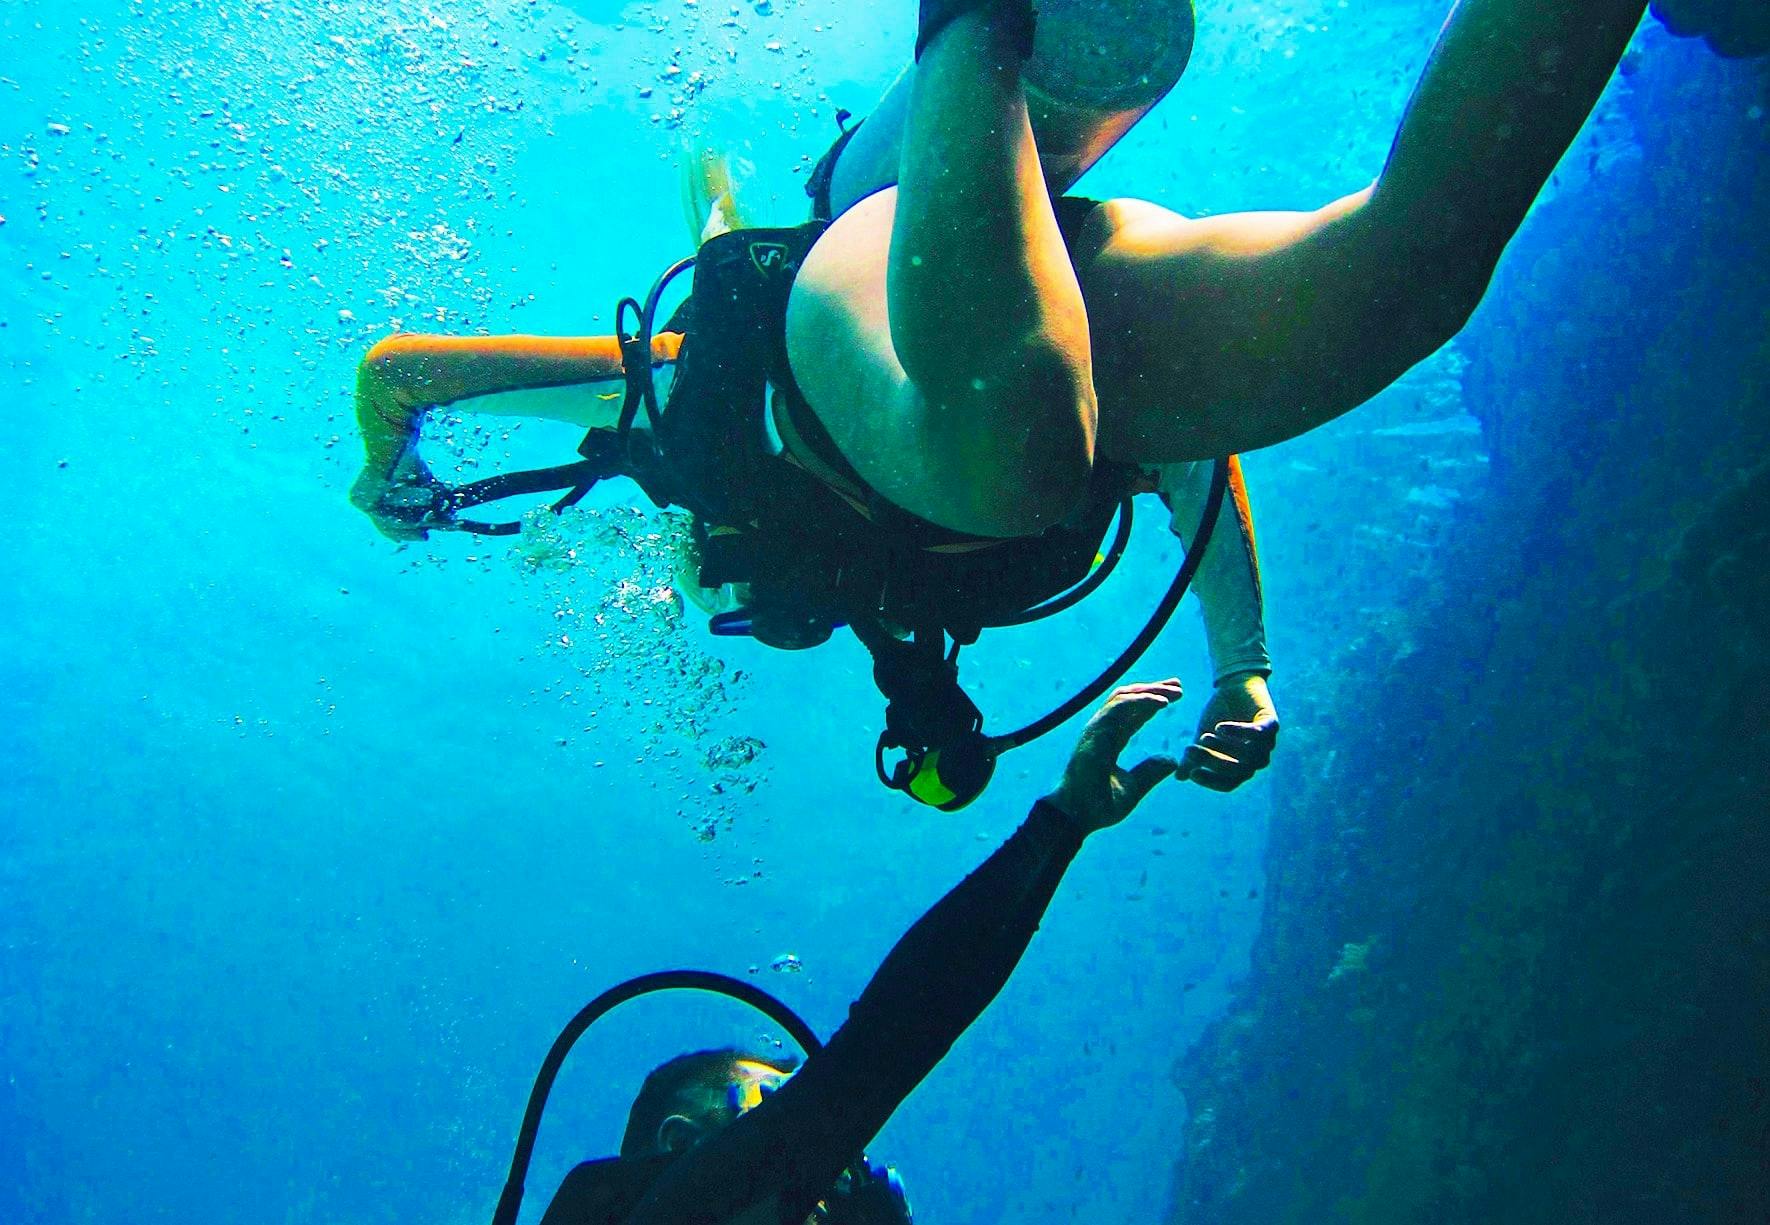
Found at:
[823, 175]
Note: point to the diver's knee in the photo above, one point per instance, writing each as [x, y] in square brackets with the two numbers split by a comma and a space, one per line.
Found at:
[1039, 395]
[1048, 378]
[1036, 422]
[386, 351]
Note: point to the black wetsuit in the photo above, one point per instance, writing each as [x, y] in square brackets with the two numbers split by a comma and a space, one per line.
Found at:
[935, 982]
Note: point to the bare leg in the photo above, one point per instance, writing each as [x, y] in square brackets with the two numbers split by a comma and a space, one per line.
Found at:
[1236, 332]
[981, 293]
[873, 158]
[1070, 141]
[937, 329]
[1081, 101]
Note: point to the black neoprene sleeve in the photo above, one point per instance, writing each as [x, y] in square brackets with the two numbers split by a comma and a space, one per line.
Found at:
[937, 980]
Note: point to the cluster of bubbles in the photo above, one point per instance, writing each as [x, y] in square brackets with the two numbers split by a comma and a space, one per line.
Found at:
[336, 165]
[246, 194]
[619, 623]
[712, 43]
[738, 79]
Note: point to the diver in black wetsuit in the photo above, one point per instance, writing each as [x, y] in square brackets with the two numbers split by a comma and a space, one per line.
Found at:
[724, 1139]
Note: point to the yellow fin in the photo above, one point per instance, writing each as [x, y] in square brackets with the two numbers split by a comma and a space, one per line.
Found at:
[709, 193]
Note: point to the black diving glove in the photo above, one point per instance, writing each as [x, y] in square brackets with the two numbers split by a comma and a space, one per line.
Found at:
[1236, 734]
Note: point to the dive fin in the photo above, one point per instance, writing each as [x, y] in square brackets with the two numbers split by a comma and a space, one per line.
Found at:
[709, 193]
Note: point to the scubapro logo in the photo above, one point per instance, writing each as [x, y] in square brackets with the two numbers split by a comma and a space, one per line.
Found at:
[769, 256]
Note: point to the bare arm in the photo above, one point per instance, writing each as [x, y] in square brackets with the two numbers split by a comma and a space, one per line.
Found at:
[1239, 726]
[522, 376]
[1507, 88]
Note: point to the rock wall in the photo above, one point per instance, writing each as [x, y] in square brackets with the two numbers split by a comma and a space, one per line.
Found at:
[1515, 963]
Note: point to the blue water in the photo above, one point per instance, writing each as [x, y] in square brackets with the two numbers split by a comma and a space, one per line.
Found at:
[309, 843]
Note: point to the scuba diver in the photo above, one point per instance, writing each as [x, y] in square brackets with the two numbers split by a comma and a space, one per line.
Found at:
[917, 414]
[724, 1136]
[560, 378]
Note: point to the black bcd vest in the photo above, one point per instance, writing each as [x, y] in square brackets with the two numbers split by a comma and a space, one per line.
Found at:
[763, 520]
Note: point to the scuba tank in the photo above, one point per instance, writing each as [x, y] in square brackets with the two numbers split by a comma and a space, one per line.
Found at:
[1097, 67]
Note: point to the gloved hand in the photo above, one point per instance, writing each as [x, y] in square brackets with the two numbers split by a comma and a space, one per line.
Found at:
[1095, 790]
[403, 503]
[1236, 734]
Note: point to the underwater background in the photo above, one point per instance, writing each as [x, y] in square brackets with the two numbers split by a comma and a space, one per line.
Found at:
[309, 843]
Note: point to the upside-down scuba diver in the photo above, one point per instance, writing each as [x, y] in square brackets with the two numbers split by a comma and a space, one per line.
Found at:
[788, 542]
[917, 414]
[779, 556]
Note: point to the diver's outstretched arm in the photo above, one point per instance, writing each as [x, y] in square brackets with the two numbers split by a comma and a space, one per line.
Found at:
[542, 377]
[942, 974]
[1265, 325]
[1238, 728]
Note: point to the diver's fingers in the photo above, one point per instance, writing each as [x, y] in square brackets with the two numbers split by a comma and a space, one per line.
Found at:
[1143, 777]
[1126, 712]
[1201, 757]
[1218, 771]
[1264, 731]
[1111, 730]
[1137, 697]
[1169, 689]
[1212, 780]
[1255, 754]
[1171, 685]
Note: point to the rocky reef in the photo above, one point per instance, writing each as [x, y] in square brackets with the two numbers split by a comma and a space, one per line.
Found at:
[1515, 962]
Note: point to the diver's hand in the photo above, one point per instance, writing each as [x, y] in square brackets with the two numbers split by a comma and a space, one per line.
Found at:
[1096, 792]
[400, 503]
[1236, 734]
[376, 496]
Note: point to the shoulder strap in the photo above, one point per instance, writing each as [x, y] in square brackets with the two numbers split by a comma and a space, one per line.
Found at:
[823, 175]
[714, 432]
